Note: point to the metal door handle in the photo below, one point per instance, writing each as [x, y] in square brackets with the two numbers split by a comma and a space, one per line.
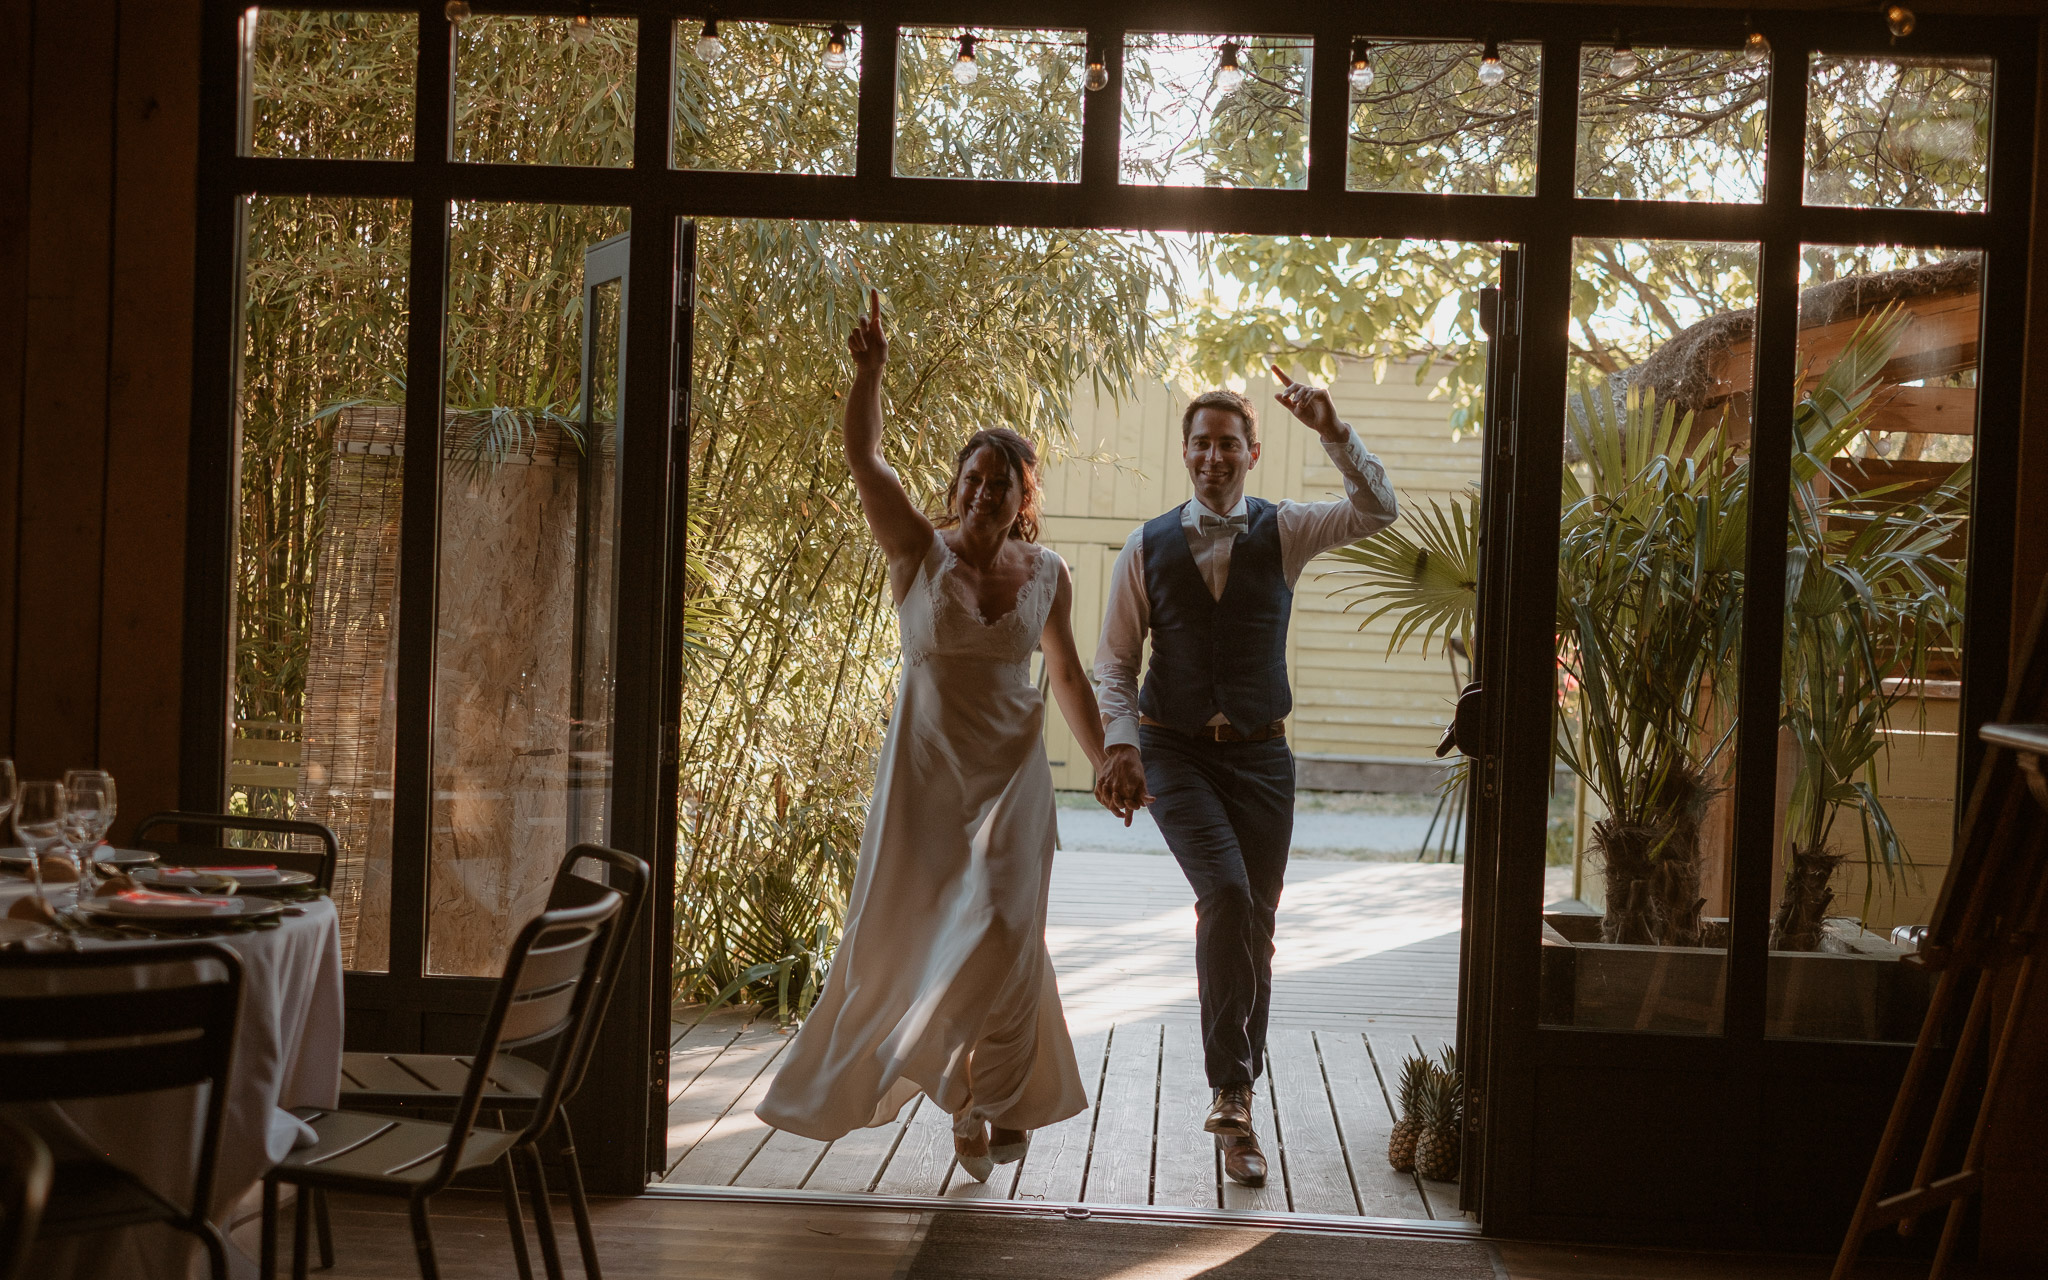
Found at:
[1467, 723]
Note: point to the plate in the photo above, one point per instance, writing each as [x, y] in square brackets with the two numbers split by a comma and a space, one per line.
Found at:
[182, 878]
[14, 932]
[106, 856]
[164, 908]
[214, 877]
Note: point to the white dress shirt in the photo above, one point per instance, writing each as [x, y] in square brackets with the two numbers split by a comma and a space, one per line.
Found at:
[1307, 529]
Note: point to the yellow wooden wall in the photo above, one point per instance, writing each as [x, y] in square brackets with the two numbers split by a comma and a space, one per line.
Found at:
[1351, 701]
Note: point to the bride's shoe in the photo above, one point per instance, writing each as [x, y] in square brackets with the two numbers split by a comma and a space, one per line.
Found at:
[970, 1147]
[1007, 1146]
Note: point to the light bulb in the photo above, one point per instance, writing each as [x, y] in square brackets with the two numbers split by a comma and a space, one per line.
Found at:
[1623, 63]
[1229, 76]
[1491, 70]
[835, 47]
[965, 71]
[1361, 66]
[582, 27]
[1901, 20]
[1756, 48]
[457, 11]
[710, 45]
[1098, 74]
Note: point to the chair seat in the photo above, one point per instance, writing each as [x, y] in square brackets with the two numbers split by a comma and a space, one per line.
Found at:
[435, 1079]
[88, 1196]
[358, 1151]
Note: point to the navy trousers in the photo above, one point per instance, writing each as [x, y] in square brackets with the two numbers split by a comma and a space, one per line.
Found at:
[1227, 812]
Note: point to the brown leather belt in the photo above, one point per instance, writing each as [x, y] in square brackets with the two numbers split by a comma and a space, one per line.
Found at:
[1225, 732]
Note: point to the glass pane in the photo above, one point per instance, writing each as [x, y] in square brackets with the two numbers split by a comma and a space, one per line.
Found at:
[1875, 546]
[332, 86]
[776, 98]
[1650, 552]
[532, 90]
[1011, 110]
[1426, 122]
[316, 583]
[1898, 133]
[1215, 111]
[522, 661]
[1672, 124]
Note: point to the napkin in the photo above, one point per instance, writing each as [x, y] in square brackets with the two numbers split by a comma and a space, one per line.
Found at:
[140, 901]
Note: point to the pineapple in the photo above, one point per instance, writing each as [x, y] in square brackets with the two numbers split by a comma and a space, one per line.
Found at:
[1443, 1120]
[1416, 1078]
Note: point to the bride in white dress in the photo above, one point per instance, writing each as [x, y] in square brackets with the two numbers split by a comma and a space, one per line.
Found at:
[942, 984]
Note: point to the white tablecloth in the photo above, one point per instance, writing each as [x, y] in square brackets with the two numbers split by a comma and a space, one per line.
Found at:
[287, 1054]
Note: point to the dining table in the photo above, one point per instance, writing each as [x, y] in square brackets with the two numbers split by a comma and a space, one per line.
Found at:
[287, 1054]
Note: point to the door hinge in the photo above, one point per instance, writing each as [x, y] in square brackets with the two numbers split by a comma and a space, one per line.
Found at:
[1488, 771]
[1475, 1110]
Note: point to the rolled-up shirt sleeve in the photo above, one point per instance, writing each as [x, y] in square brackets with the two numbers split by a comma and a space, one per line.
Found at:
[1121, 651]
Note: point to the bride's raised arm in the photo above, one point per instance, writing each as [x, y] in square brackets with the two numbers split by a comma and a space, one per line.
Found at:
[903, 530]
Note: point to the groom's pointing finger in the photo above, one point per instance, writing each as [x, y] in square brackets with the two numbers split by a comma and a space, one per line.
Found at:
[1285, 381]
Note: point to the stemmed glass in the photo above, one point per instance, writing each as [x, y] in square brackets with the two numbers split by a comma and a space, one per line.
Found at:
[6, 788]
[39, 822]
[88, 813]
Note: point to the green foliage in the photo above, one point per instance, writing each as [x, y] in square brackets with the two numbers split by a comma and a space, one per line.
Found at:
[1688, 126]
[1423, 569]
[1021, 118]
[1428, 125]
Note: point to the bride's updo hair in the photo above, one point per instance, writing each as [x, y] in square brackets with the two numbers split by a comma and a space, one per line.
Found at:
[1023, 463]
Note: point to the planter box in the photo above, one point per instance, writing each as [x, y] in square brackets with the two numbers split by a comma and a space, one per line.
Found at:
[1856, 989]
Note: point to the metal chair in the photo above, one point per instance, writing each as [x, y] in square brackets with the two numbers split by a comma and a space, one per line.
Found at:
[24, 1186]
[171, 1036]
[548, 991]
[433, 1082]
[178, 853]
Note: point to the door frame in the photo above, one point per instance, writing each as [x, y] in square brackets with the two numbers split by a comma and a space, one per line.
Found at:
[406, 1009]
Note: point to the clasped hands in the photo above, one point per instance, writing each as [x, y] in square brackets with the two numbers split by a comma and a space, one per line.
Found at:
[1120, 783]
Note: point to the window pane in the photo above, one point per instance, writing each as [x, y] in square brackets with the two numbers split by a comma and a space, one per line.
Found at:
[1190, 121]
[1428, 124]
[316, 587]
[771, 101]
[528, 91]
[332, 86]
[522, 733]
[1013, 111]
[1650, 602]
[1898, 133]
[1671, 124]
[1875, 562]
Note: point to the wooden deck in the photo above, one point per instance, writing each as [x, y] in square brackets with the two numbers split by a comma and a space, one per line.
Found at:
[1365, 974]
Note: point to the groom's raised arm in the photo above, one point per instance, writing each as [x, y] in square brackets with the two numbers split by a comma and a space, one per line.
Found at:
[1121, 651]
[1307, 529]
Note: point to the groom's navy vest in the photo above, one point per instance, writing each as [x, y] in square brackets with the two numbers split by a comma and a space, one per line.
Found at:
[1211, 655]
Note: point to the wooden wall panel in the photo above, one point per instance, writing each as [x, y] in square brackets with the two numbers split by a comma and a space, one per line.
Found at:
[14, 149]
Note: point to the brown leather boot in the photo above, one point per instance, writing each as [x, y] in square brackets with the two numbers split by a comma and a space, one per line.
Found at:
[1243, 1162]
[1232, 1111]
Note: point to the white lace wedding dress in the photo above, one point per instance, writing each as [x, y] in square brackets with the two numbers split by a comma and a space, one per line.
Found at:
[942, 983]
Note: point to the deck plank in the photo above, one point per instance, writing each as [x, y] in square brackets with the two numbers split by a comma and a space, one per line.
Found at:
[924, 1158]
[1364, 1118]
[1184, 1159]
[783, 1162]
[1442, 1196]
[1318, 1176]
[731, 1141]
[1271, 1198]
[855, 1161]
[1120, 1164]
[717, 1087]
[1058, 1158]
[697, 1047]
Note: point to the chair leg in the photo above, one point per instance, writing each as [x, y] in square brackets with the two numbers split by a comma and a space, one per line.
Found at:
[268, 1261]
[302, 1230]
[216, 1248]
[423, 1241]
[508, 1182]
[543, 1217]
[579, 1208]
[325, 1226]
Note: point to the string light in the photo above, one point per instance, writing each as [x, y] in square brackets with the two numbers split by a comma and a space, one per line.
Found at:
[835, 47]
[1623, 63]
[1901, 21]
[457, 11]
[710, 45]
[1098, 74]
[1757, 49]
[965, 71]
[582, 27]
[1491, 70]
[1361, 65]
[1229, 76]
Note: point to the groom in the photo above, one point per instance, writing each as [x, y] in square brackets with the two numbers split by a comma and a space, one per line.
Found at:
[1204, 741]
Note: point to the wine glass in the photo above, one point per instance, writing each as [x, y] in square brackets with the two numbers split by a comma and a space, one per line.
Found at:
[39, 822]
[88, 813]
[6, 788]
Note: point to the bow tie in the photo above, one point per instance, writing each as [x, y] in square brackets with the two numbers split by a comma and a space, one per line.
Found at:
[1211, 525]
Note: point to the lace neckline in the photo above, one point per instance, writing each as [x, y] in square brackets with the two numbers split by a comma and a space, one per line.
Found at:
[971, 604]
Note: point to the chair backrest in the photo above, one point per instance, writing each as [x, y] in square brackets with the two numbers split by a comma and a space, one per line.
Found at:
[63, 1036]
[25, 1171]
[629, 876]
[547, 991]
[182, 853]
